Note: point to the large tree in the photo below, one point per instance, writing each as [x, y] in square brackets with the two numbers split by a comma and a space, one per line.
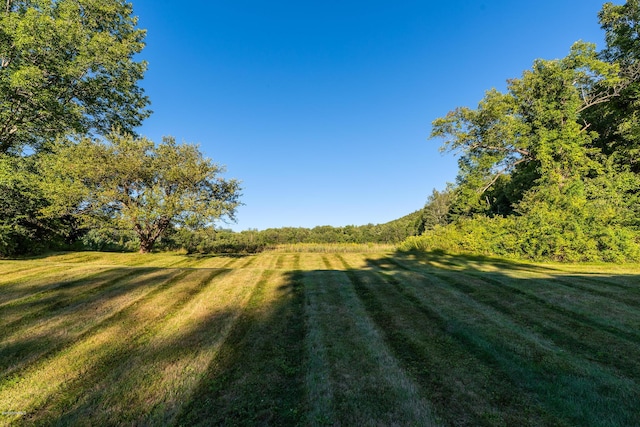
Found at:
[67, 66]
[133, 183]
[533, 135]
[618, 121]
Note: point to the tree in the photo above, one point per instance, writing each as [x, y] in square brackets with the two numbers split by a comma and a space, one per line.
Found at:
[133, 183]
[23, 228]
[618, 122]
[436, 210]
[20, 227]
[536, 129]
[67, 66]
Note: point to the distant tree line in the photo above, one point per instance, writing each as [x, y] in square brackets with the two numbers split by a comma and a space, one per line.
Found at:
[211, 240]
[549, 169]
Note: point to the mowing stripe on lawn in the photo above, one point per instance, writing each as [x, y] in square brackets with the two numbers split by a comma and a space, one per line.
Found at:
[265, 261]
[95, 347]
[567, 385]
[360, 382]
[250, 260]
[465, 389]
[11, 270]
[164, 364]
[318, 377]
[257, 376]
[24, 285]
[45, 302]
[564, 329]
[26, 332]
[34, 345]
[326, 262]
[547, 293]
[312, 261]
[296, 262]
[597, 313]
[605, 289]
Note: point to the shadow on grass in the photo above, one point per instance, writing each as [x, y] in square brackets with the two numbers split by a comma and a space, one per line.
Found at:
[257, 377]
[56, 308]
[487, 342]
[493, 341]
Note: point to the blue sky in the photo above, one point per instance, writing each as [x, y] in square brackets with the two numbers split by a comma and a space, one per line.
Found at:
[323, 108]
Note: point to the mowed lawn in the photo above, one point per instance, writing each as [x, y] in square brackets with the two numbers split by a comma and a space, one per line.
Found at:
[351, 338]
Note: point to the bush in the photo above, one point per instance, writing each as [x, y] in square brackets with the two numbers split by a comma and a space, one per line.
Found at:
[551, 237]
[109, 240]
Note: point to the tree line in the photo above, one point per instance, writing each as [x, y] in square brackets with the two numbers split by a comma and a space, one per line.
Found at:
[550, 168]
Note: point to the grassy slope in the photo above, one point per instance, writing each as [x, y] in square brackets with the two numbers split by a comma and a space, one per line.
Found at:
[318, 338]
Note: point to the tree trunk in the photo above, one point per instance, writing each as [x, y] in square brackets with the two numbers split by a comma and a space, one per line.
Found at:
[146, 245]
[150, 233]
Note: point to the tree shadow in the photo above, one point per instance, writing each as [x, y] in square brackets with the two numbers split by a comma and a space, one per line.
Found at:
[486, 341]
[257, 377]
[56, 308]
[507, 338]
[254, 378]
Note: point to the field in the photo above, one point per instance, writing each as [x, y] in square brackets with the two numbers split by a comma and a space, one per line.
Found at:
[333, 337]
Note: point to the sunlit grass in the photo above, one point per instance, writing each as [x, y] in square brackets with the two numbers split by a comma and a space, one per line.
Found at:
[317, 335]
[334, 247]
[363, 387]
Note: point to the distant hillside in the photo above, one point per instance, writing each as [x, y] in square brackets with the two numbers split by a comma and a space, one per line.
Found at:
[408, 222]
[217, 241]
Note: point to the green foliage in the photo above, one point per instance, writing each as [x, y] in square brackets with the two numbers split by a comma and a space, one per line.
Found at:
[532, 133]
[550, 169]
[618, 121]
[23, 228]
[542, 235]
[211, 240]
[68, 66]
[109, 239]
[437, 209]
[137, 185]
[479, 235]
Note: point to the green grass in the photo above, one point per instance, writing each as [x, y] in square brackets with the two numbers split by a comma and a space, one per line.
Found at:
[317, 335]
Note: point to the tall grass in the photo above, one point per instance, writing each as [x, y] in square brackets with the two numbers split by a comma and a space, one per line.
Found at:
[333, 248]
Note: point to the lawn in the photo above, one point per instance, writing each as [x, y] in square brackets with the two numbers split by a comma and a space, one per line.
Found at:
[317, 337]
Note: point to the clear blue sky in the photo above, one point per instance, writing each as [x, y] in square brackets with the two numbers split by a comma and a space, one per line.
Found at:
[323, 108]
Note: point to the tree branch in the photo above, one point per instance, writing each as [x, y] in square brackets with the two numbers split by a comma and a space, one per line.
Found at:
[521, 151]
[499, 173]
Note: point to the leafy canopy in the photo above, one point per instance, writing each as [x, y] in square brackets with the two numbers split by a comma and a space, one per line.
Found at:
[133, 183]
[67, 66]
[535, 129]
[551, 167]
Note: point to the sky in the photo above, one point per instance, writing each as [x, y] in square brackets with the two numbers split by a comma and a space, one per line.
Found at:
[323, 109]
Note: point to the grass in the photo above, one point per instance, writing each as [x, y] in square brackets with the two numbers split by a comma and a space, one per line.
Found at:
[317, 335]
[334, 247]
